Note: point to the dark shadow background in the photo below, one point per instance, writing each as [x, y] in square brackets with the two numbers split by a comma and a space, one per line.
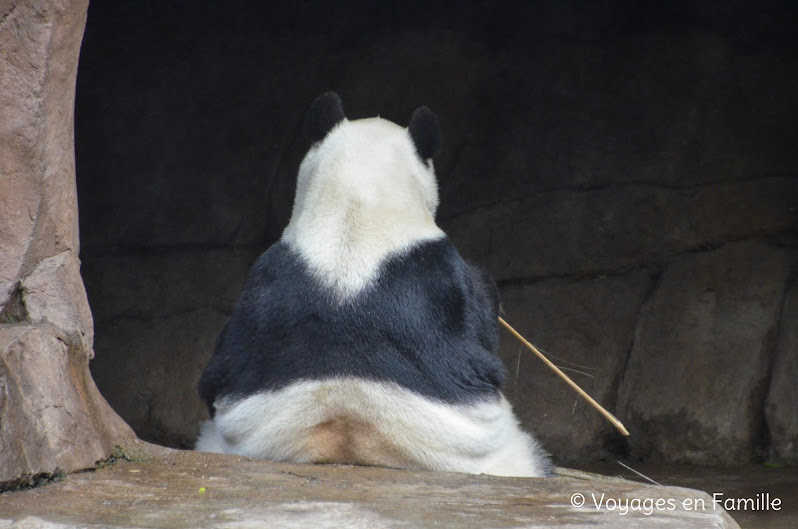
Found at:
[627, 171]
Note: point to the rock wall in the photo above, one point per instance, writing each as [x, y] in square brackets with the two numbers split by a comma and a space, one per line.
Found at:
[158, 318]
[696, 378]
[781, 413]
[51, 415]
[627, 172]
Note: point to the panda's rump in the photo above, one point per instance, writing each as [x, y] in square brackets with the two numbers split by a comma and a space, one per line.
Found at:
[366, 422]
[347, 439]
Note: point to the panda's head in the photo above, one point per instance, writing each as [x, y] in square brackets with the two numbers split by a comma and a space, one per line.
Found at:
[366, 191]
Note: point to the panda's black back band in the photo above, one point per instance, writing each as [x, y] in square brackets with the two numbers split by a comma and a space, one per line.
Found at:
[428, 324]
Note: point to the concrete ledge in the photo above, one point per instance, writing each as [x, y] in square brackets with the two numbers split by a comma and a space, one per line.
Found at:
[161, 488]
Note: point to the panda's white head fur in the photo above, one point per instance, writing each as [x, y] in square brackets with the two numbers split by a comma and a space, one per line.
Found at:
[366, 190]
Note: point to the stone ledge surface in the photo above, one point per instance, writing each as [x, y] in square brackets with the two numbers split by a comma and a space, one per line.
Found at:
[163, 488]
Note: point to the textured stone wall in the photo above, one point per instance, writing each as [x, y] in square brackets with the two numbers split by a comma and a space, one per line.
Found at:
[627, 172]
[51, 415]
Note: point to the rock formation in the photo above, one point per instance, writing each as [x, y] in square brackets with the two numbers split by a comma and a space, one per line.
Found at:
[52, 418]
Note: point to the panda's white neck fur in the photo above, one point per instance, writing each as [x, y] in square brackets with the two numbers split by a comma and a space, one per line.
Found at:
[345, 249]
[362, 196]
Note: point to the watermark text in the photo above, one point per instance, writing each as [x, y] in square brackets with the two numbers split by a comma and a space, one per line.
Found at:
[647, 506]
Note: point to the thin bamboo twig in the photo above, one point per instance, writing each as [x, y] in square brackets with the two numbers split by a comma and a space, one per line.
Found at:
[609, 416]
[638, 473]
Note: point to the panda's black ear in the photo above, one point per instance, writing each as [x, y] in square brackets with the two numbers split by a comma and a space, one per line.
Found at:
[325, 113]
[426, 132]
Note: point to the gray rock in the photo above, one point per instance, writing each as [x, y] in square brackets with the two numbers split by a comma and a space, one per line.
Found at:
[19, 200]
[52, 418]
[190, 489]
[586, 327]
[694, 386]
[609, 230]
[54, 292]
[38, 67]
[782, 400]
[151, 379]
[650, 108]
[168, 283]
[160, 316]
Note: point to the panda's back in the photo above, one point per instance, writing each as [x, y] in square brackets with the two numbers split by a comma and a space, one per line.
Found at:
[426, 323]
[362, 336]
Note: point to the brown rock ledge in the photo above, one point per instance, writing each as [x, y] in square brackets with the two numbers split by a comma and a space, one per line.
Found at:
[160, 488]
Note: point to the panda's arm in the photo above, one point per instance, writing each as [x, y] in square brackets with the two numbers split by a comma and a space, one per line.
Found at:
[212, 375]
[485, 306]
[486, 289]
[226, 370]
[482, 315]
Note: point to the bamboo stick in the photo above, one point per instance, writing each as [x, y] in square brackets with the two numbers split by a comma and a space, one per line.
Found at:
[609, 416]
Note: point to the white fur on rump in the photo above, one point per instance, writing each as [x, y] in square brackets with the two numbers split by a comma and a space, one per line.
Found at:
[356, 421]
[362, 195]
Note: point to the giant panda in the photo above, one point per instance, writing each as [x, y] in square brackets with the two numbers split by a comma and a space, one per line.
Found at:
[362, 336]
